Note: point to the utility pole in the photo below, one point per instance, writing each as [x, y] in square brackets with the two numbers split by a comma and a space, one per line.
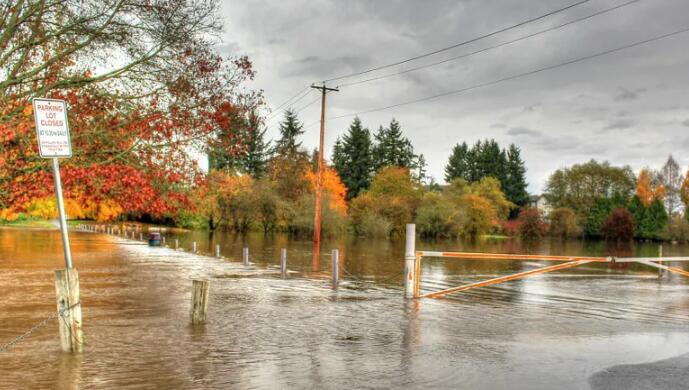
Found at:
[319, 183]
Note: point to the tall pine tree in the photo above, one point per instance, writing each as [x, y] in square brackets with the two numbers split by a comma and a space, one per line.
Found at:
[290, 161]
[392, 148]
[458, 164]
[486, 159]
[290, 130]
[515, 183]
[353, 159]
[255, 157]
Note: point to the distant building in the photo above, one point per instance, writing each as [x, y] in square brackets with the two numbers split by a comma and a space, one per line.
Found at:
[539, 202]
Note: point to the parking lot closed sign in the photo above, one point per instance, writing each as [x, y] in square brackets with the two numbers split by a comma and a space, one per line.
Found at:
[52, 128]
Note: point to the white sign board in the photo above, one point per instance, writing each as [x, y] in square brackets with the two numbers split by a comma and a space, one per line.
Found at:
[52, 128]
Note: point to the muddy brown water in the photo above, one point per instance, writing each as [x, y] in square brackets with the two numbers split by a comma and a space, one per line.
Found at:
[545, 332]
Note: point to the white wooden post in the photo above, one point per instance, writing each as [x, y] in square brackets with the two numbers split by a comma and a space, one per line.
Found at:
[409, 261]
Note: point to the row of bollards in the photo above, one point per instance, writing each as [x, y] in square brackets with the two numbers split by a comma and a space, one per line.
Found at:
[201, 288]
[194, 249]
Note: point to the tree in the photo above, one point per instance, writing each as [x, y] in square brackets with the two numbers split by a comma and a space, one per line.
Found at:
[581, 186]
[646, 190]
[651, 220]
[353, 160]
[290, 130]
[133, 121]
[563, 223]
[255, 158]
[489, 160]
[531, 225]
[216, 194]
[437, 216]
[391, 198]
[515, 181]
[486, 159]
[598, 215]
[458, 165]
[671, 179]
[420, 171]
[480, 216]
[392, 148]
[684, 195]
[290, 161]
[74, 38]
[619, 225]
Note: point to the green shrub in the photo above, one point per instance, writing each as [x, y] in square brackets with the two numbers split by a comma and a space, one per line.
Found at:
[435, 217]
[564, 223]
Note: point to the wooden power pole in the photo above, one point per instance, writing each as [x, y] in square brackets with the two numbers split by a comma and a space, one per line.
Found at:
[319, 183]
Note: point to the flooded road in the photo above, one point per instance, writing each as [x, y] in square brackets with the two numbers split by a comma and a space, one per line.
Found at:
[545, 332]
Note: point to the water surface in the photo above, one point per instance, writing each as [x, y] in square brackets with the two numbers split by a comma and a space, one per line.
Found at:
[545, 332]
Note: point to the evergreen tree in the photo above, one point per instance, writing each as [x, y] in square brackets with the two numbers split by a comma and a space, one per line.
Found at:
[649, 221]
[599, 213]
[459, 164]
[228, 149]
[515, 184]
[392, 148]
[290, 130]
[420, 173]
[289, 160]
[353, 160]
[255, 158]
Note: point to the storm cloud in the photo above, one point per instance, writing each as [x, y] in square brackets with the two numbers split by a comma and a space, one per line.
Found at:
[574, 107]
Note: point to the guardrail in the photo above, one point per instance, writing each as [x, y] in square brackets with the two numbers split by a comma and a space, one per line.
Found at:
[413, 261]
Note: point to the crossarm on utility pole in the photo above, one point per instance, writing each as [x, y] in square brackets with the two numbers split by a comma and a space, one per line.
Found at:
[506, 278]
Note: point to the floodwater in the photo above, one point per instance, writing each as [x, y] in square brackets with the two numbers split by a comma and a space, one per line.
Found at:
[547, 332]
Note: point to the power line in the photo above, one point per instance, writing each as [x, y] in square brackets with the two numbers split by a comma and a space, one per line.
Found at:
[298, 110]
[306, 89]
[459, 44]
[601, 12]
[274, 115]
[520, 75]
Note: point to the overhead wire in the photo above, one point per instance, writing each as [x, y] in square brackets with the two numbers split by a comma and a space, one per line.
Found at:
[301, 95]
[553, 28]
[520, 75]
[501, 30]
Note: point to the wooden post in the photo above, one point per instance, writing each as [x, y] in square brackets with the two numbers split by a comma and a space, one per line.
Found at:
[163, 240]
[69, 306]
[176, 243]
[193, 247]
[141, 236]
[410, 261]
[217, 251]
[199, 301]
[283, 262]
[336, 268]
[245, 256]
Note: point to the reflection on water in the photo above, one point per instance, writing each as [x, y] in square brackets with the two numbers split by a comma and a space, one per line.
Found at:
[546, 332]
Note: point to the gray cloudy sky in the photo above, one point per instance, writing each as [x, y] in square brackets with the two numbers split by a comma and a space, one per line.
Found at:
[629, 107]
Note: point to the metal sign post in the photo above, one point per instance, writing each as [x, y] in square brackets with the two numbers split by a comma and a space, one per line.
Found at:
[61, 212]
[52, 130]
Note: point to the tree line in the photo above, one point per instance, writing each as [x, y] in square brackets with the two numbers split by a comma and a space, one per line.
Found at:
[597, 199]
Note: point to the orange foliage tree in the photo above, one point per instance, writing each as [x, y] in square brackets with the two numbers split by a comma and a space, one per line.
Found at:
[333, 189]
[646, 190]
[134, 121]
